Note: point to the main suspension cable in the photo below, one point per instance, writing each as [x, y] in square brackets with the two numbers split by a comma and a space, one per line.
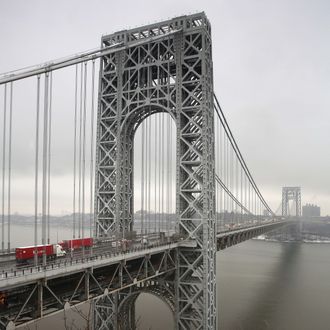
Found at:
[232, 140]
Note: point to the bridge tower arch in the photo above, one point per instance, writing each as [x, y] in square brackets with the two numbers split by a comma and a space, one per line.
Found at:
[291, 194]
[117, 310]
[165, 66]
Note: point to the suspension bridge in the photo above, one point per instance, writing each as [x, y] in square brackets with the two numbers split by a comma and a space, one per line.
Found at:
[153, 178]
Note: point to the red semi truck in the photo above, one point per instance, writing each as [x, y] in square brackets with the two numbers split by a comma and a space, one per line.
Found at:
[76, 243]
[52, 251]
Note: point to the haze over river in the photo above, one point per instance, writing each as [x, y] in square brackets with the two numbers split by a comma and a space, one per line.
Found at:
[261, 285]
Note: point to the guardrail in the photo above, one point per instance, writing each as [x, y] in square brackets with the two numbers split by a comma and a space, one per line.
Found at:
[114, 252]
[6, 274]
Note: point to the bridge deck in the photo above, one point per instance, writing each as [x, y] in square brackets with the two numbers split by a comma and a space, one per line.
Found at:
[105, 271]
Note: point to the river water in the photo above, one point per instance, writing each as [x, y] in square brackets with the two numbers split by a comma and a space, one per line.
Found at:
[264, 285]
[260, 285]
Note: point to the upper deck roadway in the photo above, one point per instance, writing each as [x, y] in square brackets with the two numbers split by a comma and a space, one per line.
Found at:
[108, 269]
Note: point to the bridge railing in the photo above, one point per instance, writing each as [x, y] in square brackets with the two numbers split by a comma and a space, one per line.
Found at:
[114, 253]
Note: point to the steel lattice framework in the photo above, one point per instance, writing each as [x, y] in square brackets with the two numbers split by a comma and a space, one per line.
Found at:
[165, 67]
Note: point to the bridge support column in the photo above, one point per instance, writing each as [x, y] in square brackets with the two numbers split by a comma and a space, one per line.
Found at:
[40, 299]
[127, 318]
[87, 275]
[106, 312]
[166, 67]
[195, 204]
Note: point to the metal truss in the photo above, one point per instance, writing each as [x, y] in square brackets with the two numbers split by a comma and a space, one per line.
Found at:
[172, 74]
[117, 310]
[291, 193]
[104, 284]
[226, 240]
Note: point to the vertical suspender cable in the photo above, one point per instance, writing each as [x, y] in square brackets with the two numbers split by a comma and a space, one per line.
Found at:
[155, 172]
[147, 142]
[222, 143]
[231, 182]
[91, 222]
[221, 152]
[234, 184]
[217, 171]
[84, 160]
[75, 154]
[163, 168]
[249, 197]
[142, 179]
[237, 189]
[231, 167]
[225, 177]
[255, 205]
[36, 175]
[4, 168]
[167, 173]
[221, 175]
[228, 176]
[250, 200]
[80, 139]
[246, 193]
[44, 169]
[146, 177]
[49, 155]
[241, 195]
[9, 163]
[170, 171]
[149, 175]
[159, 147]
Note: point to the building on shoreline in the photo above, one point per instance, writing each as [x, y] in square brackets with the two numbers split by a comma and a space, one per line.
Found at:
[311, 210]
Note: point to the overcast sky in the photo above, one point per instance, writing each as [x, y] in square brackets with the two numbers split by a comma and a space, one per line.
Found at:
[271, 74]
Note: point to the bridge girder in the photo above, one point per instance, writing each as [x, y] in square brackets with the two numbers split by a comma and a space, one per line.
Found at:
[99, 277]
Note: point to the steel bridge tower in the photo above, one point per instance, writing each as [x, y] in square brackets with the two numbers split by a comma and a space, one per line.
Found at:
[294, 194]
[163, 67]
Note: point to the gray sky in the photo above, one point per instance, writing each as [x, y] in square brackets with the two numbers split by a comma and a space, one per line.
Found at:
[271, 73]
